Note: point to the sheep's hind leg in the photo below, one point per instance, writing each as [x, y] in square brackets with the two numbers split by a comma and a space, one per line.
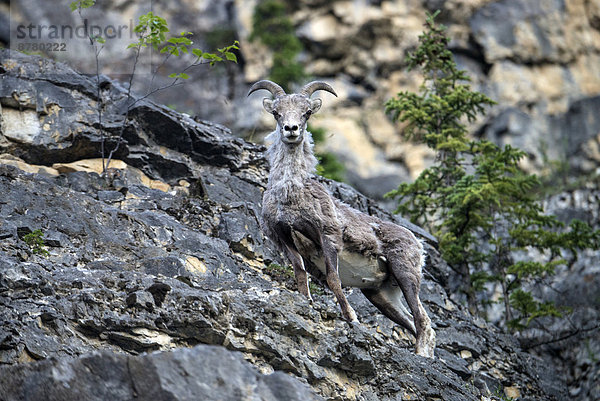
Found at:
[387, 300]
[410, 283]
[334, 282]
[299, 271]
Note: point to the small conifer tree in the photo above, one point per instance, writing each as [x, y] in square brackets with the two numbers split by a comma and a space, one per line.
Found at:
[477, 201]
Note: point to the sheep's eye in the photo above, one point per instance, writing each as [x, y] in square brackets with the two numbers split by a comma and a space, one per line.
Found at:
[308, 113]
[276, 115]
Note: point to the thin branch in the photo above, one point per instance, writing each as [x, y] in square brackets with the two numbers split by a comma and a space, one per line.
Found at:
[175, 82]
[122, 130]
[562, 337]
[158, 68]
[130, 106]
[99, 95]
[98, 90]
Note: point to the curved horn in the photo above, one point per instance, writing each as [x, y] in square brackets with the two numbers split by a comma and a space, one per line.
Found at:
[271, 86]
[311, 87]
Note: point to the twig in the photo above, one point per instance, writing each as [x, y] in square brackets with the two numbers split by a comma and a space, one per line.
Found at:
[98, 89]
[99, 96]
[130, 106]
[158, 68]
[122, 130]
[562, 337]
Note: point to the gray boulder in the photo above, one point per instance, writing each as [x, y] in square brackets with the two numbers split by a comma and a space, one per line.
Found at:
[200, 373]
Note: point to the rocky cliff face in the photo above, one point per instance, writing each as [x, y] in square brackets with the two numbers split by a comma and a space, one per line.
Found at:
[575, 288]
[158, 281]
[539, 60]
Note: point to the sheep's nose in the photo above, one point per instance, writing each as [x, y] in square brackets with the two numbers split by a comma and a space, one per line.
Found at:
[291, 128]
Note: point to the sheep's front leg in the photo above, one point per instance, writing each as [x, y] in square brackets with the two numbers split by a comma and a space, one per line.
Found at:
[333, 280]
[299, 271]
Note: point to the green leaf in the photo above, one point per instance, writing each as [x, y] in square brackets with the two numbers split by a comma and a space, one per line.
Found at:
[180, 40]
[179, 75]
[81, 4]
[231, 57]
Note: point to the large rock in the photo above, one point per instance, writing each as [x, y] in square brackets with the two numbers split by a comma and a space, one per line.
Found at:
[203, 372]
[130, 269]
[58, 121]
[532, 32]
[577, 130]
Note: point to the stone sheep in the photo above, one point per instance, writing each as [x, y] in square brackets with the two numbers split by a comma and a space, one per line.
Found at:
[325, 236]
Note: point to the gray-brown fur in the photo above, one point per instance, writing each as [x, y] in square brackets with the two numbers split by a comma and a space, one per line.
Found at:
[328, 238]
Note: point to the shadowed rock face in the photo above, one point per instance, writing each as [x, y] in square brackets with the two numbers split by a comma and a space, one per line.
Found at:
[200, 373]
[132, 269]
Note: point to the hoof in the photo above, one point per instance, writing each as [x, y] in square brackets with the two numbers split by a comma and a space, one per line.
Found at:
[426, 353]
[350, 316]
[426, 346]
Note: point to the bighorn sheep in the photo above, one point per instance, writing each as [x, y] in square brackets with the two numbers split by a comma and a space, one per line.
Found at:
[324, 236]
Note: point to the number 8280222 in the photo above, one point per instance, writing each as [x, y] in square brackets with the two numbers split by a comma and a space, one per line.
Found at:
[45, 47]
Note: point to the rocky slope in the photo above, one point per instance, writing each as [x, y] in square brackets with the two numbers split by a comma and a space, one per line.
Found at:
[539, 60]
[167, 255]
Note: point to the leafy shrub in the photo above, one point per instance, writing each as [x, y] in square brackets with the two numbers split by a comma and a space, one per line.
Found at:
[151, 31]
[35, 241]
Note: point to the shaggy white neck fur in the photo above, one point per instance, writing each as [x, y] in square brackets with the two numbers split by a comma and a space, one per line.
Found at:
[291, 164]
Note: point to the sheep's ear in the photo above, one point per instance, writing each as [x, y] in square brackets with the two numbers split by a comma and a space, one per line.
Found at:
[268, 105]
[315, 105]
